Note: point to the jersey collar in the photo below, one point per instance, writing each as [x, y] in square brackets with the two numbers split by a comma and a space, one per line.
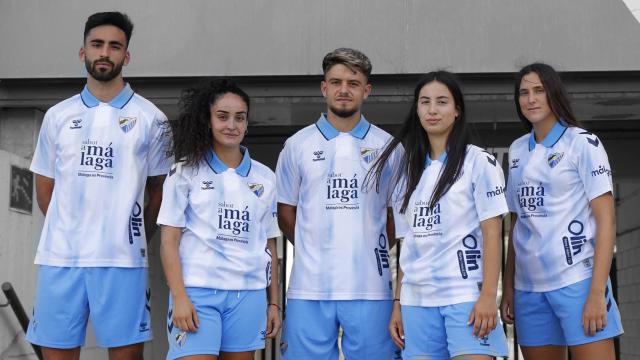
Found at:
[119, 101]
[442, 158]
[329, 132]
[219, 167]
[552, 137]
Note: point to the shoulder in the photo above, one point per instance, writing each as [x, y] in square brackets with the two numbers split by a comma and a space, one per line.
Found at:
[576, 136]
[67, 105]
[146, 107]
[302, 136]
[520, 143]
[261, 170]
[377, 134]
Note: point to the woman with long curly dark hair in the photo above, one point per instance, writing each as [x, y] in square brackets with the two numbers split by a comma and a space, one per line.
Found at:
[449, 206]
[218, 232]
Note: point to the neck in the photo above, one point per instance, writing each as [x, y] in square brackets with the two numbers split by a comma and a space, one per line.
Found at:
[343, 124]
[437, 146]
[542, 128]
[230, 156]
[105, 91]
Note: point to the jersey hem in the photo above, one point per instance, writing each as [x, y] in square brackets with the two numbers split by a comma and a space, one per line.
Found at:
[338, 296]
[39, 171]
[423, 302]
[287, 201]
[97, 263]
[554, 286]
[599, 192]
[195, 284]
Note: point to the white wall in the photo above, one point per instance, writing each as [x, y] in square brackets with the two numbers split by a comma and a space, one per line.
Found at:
[40, 38]
[628, 259]
[18, 240]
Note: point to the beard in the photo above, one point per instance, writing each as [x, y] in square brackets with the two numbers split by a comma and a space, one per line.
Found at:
[104, 76]
[343, 113]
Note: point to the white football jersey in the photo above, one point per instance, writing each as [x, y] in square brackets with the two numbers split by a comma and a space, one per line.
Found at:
[341, 246]
[442, 251]
[550, 186]
[100, 155]
[227, 216]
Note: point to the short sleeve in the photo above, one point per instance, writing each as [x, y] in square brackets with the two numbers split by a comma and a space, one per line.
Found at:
[175, 198]
[44, 158]
[287, 176]
[593, 165]
[488, 189]
[159, 156]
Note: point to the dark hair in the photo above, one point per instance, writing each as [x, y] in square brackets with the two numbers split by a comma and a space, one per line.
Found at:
[351, 58]
[191, 132]
[557, 96]
[117, 19]
[416, 145]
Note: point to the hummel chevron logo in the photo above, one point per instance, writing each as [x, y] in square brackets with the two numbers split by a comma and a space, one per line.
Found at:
[490, 158]
[595, 142]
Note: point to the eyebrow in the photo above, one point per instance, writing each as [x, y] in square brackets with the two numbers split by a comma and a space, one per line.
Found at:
[228, 112]
[100, 41]
[437, 97]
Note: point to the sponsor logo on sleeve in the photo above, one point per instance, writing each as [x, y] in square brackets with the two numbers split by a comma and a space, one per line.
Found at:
[601, 170]
[499, 190]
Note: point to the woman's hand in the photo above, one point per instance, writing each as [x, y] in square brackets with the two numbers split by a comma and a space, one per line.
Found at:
[395, 325]
[483, 316]
[594, 314]
[184, 314]
[273, 321]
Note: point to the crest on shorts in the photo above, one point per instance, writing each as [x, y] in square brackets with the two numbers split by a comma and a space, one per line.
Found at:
[368, 154]
[181, 338]
[554, 159]
[257, 189]
[127, 123]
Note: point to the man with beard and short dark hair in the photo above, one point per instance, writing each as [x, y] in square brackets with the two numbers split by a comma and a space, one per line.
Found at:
[340, 275]
[95, 153]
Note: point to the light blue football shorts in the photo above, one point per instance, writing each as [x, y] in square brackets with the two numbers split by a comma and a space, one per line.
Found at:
[115, 299]
[441, 332]
[311, 330]
[555, 317]
[230, 321]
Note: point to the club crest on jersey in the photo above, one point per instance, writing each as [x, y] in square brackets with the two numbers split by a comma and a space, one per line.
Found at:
[127, 123]
[318, 155]
[554, 159]
[257, 189]
[76, 124]
[368, 155]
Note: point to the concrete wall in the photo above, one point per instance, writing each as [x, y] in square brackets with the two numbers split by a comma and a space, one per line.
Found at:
[628, 259]
[18, 241]
[40, 39]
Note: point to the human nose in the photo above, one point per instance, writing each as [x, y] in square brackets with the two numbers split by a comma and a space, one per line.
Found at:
[431, 108]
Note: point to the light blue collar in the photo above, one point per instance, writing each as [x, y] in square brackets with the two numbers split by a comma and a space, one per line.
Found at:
[442, 158]
[552, 137]
[219, 167]
[119, 101]
[329, 132]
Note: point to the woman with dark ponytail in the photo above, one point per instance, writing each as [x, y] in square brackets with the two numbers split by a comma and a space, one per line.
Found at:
[556, 286]
[449, 205]
[219, 225]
